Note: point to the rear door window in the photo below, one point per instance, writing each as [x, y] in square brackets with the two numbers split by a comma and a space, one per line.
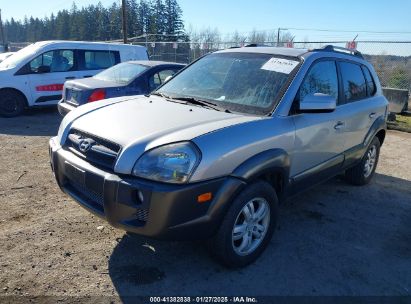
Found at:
[99, 60]
[354, 86]
[370, 81]
[166, 73]
[157, 79]
[154, 81]
[322, 78]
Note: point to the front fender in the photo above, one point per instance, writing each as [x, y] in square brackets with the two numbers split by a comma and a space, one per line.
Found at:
[269, 161]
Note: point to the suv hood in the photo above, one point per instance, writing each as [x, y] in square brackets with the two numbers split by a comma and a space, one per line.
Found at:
[141, 123]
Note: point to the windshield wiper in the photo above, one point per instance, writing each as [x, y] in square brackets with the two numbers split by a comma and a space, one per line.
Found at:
[159, 94]
[202, 103]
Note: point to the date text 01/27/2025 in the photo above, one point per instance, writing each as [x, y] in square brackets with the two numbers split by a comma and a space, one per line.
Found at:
[203, 300]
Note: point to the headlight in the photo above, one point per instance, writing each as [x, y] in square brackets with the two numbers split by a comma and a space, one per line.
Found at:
[172, 163]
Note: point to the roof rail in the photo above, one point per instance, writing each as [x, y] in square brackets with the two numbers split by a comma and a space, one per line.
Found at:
[249, 45]
[333, 48]
[256, 45]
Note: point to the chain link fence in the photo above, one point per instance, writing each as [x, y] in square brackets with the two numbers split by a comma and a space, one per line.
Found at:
[391, 59]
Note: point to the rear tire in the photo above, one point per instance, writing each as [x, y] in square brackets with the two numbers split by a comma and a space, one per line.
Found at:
[364, 171]
[12, 103]
[247, 227]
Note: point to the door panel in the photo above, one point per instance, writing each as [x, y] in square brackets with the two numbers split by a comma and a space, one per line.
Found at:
[359, 116]
[48, 72]
[318, 140]
[360, 108]
[319, 136]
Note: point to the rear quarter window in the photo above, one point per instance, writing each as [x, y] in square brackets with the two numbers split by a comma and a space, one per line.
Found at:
[99, 60]
[354, 85]
[371, 89]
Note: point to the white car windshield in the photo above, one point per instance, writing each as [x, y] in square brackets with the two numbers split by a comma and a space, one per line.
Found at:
[19, 57]
[236, 81]
[121, 73]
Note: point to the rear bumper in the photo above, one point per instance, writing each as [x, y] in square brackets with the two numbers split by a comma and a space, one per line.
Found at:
[144, 207]
[64, 107]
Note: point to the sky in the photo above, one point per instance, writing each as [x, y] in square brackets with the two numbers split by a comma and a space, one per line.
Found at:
[342, 20]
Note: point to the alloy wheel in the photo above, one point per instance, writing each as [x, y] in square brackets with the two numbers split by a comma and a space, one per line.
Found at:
[251, 226]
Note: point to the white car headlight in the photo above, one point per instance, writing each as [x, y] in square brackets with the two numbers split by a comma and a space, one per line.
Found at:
[173, 163]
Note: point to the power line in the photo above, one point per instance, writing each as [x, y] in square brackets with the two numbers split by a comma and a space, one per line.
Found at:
[320, 30]
[348, 31]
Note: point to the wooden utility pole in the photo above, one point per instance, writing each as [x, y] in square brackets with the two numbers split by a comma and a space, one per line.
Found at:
[3, 39]
[124, 14]
[278, 37]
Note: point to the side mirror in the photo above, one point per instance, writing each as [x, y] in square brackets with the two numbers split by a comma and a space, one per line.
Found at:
[318, 102]
[167, 78]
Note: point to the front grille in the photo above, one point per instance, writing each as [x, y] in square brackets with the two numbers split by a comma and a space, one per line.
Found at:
[85, 195]
[95, 200]
[142, 214]
[99, 152]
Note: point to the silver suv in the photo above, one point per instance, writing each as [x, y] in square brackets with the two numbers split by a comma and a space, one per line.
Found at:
[214, 150]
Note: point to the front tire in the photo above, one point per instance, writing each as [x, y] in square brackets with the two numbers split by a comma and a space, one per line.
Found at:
[248, 226]
[364, 171]
[12, 103]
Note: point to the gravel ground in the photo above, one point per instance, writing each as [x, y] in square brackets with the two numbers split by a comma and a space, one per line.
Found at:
[335, 239]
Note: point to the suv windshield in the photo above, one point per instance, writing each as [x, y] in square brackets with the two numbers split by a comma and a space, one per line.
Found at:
[18, 57]
[122, 73]
[240, 82]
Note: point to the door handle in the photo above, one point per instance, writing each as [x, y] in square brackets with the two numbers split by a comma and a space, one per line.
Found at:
[87, 76]
[70, 77]
[372, 115]
[339, 125]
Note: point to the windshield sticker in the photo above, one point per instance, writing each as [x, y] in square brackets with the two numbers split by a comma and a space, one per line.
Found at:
[280, 65]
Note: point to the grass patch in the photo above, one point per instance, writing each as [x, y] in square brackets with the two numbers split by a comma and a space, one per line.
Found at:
[404, 120]
[402, 123]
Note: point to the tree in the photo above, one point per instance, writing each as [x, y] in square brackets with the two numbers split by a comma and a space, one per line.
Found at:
[174, 24]
[75, 22]
[96, 22]
[114, 15]
[257, 37]
[63, 25]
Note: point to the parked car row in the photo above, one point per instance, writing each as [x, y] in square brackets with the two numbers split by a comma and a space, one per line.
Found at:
[124, 79]
[212, 152]
[35, 75]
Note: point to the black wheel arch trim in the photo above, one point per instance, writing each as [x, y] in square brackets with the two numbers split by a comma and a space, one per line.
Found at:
[378, 125]
[269, 161]
[26, 102]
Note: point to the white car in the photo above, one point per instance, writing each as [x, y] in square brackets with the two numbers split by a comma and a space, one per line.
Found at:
[35, 75]
[4, 56]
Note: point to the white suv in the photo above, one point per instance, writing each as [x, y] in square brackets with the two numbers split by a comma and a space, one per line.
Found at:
[35, 75]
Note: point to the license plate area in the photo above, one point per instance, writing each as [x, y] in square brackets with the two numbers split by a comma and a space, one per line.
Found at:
[73, 96]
